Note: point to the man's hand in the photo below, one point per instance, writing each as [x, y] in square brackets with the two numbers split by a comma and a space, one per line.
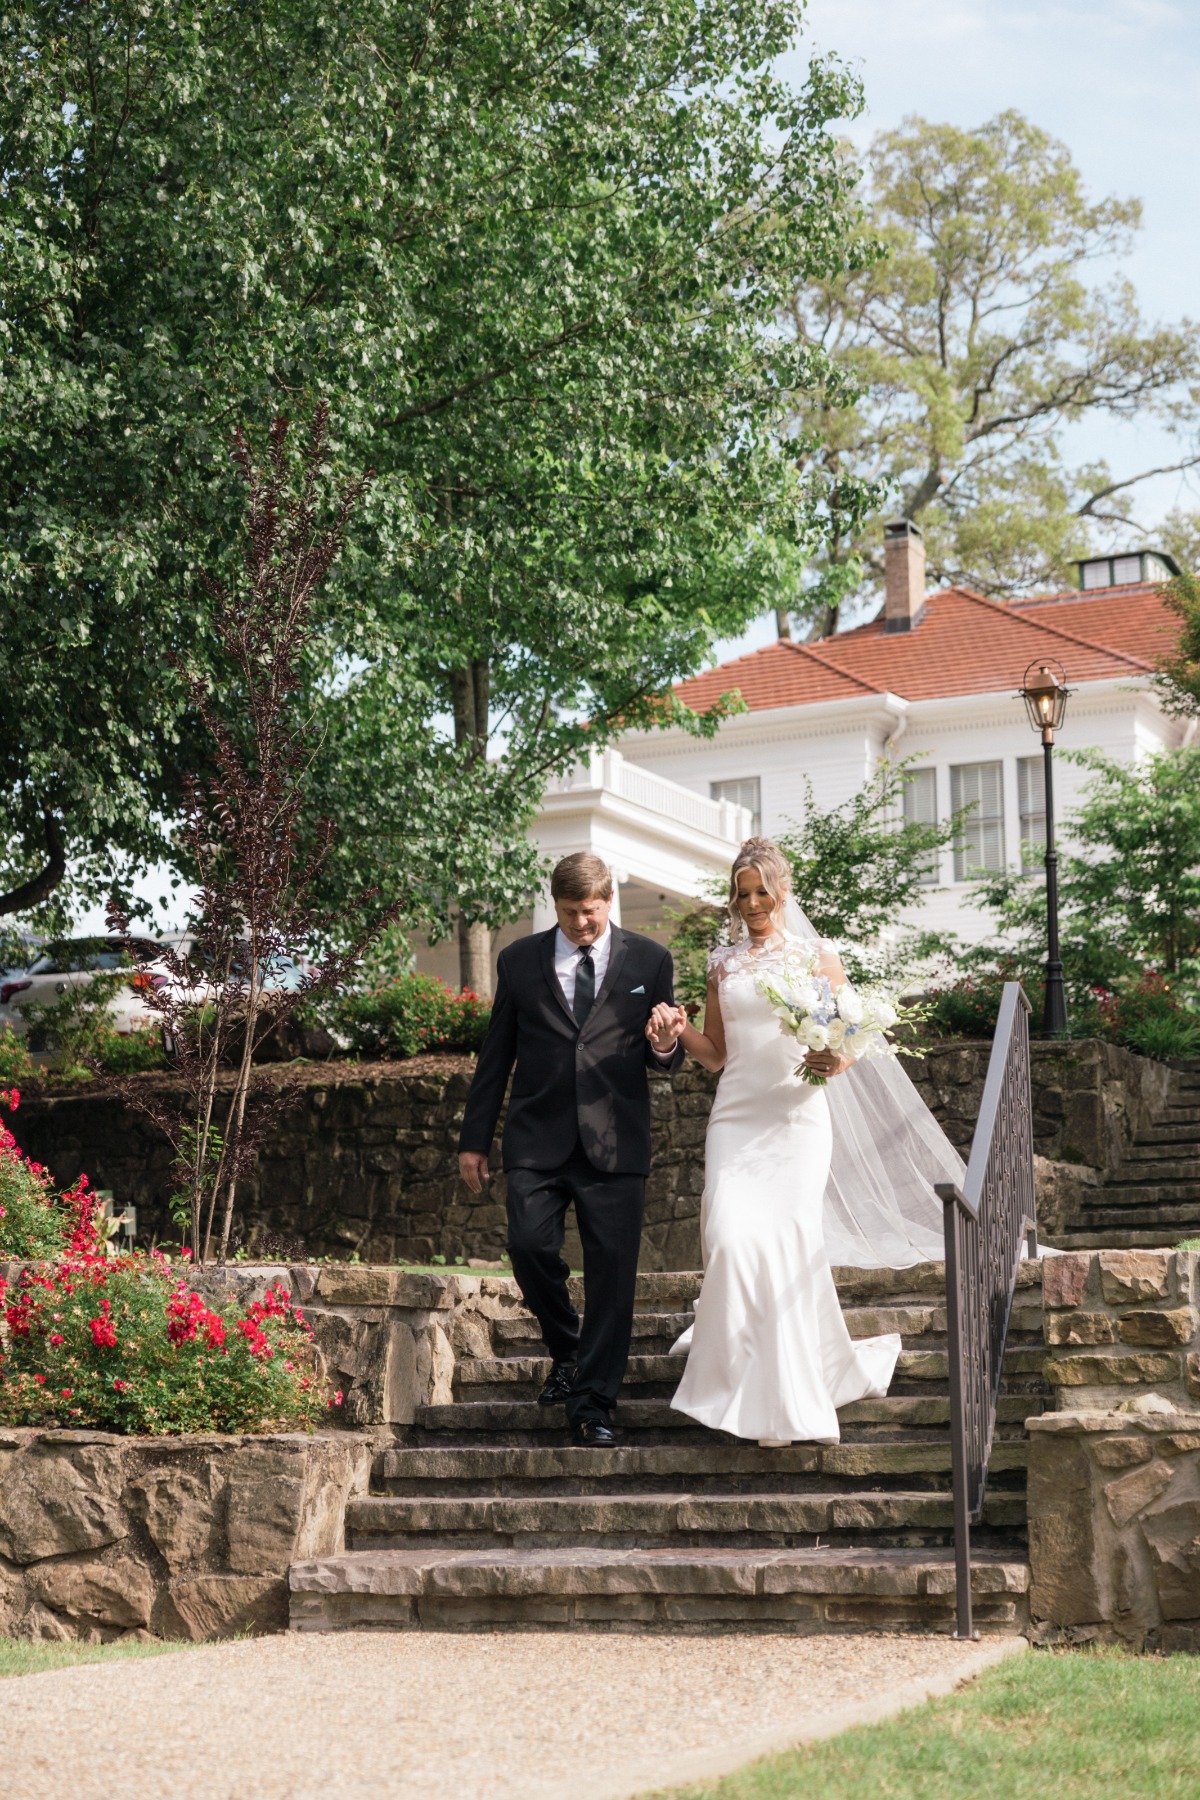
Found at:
[826, 1062]
[665, 1026]
[473, 1168]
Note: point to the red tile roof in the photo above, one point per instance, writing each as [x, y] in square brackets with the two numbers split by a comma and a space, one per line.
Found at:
[964, 644]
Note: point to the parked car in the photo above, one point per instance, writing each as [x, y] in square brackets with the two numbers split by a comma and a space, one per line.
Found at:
[73, 963]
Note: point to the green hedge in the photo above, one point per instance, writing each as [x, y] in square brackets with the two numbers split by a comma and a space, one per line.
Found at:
[409, 1015]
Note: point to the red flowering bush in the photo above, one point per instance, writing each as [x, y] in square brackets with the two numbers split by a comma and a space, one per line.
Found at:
[409, 1015]
[33, 1218]
[125, 1344]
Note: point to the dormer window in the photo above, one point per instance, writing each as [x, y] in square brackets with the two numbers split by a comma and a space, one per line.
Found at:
[1121, 571]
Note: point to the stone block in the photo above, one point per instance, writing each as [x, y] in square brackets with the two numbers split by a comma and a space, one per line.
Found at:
[1079, 1328]
[1176, 1325]
[200, 1608]
[1120, 1453]
[182, 1511]
[1131, 1494]
[1120, 1369]
[1065, 1586]
[62, 1494]
[1173, 1536]
[1129, 1276]
[119, 1593]
[1065, 1278]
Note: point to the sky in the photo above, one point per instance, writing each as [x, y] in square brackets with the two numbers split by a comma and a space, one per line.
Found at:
[1118, 81]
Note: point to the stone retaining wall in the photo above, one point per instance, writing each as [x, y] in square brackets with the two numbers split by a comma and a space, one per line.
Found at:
[366, 1164]
[1122, 1322]
[105, 1537]
[1114, 1528]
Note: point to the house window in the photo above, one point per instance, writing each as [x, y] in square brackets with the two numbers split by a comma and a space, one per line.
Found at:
[747, 792]
[979, 846]
[920, 808]
[1031, 788]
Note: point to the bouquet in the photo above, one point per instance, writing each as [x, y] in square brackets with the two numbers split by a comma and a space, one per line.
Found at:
[849, 1021]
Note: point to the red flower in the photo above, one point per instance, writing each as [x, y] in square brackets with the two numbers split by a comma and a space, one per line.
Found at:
[104, 1332]
[119, 1385]
[56, 1337]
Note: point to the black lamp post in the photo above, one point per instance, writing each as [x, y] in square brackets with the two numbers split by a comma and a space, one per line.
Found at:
[1045, 693]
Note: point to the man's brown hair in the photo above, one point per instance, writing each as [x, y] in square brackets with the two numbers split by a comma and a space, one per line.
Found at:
[581, 877]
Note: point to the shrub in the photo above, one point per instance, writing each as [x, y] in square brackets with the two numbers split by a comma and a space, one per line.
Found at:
[125, 1344]
[15, 1062]
[412, 1014]
[32, 1217]
[129, 1052]
[1147, 1015]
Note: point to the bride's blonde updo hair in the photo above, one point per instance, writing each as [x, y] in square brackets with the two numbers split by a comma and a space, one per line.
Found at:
[761, 854]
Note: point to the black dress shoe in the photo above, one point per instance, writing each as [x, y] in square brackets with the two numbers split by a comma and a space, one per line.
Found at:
[596, 1432]
[559, 1383]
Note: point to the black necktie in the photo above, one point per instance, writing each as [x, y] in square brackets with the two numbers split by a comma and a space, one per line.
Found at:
[585, 987]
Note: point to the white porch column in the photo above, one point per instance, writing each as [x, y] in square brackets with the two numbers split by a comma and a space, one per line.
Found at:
[544, 915]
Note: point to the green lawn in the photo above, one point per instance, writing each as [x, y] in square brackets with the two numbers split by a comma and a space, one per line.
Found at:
[20, 1658]
[1072, 1725]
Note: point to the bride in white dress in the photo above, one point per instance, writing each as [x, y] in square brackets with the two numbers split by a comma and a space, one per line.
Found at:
[769, 1356]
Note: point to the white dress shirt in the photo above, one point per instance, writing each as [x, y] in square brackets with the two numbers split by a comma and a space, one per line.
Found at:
[566, 964]
[567, 957]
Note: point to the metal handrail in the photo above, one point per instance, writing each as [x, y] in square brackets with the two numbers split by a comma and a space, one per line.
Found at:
[987, 1220]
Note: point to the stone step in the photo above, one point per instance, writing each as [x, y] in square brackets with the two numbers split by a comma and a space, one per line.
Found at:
[1170, 1222]
[669, 1519]
[697, 1590]
[519, 1335]
[1157, 1156]
[1164, 1190]
[1113, 1238]
[733, 1464]
[1153, 1171]
[512, 1424]
[1163, 1132]
[484, 1378]
[725, 1465]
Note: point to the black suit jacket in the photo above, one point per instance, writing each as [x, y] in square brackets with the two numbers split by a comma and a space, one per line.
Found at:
[571, 1087]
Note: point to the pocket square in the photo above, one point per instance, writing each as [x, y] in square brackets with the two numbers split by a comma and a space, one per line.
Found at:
[637, 990]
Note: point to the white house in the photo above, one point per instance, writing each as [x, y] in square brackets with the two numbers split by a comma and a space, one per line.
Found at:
[933, 676]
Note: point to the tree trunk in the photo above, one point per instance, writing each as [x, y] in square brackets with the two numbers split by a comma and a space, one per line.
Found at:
[475, 956]
[470, 695]
[783, 622]
[825, 624]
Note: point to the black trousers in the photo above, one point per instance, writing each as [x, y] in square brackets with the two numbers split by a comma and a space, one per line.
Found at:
[608, 1212]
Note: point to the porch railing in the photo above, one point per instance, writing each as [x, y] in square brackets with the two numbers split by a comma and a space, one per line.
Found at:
[988, 1219]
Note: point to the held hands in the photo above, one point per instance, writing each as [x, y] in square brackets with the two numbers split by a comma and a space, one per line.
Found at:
[665, 1026]
[826, 1062]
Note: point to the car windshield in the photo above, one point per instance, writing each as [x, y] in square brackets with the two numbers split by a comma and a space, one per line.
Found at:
[73, 956]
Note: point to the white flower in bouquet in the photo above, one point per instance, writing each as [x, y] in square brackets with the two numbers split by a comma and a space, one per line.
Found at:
[819, 1017]
[849, 1004]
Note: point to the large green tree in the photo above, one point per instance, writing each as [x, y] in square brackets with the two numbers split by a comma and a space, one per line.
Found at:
[532, 254]
[978, 337]
[1128, 881]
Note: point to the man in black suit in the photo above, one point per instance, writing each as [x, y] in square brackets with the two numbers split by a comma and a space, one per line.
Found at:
[581, 1009]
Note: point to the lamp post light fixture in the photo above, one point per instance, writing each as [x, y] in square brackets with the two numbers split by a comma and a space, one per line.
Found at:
[1045, 693]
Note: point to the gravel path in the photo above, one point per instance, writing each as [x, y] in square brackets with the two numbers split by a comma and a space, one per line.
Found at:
[369, 1716]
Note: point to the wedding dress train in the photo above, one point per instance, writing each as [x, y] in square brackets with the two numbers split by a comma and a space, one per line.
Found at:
[769, 1355]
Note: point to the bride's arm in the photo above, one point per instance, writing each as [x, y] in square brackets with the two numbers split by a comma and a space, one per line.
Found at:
[708, 1046]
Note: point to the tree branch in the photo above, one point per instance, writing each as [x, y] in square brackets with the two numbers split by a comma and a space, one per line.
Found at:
[33, 892]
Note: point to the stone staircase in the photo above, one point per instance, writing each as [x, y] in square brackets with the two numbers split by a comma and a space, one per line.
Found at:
[483, 1515]
[1152, 1199]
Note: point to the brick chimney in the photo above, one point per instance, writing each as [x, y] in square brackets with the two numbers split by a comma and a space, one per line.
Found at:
[903, 575]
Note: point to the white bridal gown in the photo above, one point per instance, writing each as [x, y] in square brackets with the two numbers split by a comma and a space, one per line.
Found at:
[769, 1355]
